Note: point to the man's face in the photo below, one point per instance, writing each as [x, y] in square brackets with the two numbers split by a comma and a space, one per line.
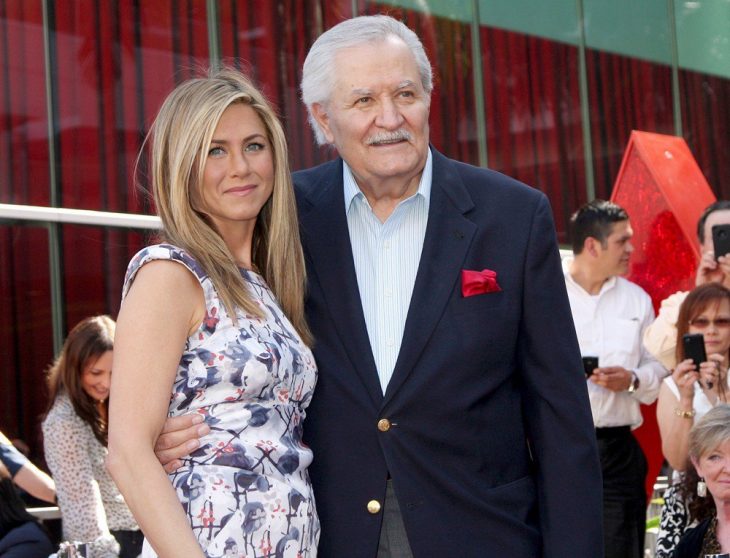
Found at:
[719, 217]
[377, 115]
[614, 254]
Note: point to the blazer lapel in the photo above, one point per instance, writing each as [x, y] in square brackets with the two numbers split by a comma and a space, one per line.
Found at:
[447, 240]
[327, 242]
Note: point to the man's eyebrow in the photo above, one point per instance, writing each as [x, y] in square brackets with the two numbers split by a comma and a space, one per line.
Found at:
[361, 92]
[405, 84]
[365, 92]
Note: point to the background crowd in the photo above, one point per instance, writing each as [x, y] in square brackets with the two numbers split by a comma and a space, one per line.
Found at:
[228, 212]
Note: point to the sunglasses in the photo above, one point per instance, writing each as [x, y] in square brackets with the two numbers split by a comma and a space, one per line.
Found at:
[704, 323]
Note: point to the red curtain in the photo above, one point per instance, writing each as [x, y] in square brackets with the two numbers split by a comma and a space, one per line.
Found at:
[624, 94]
[23, 118]
[533, 116]
[26, 336]
[705, 102]
[269, 41]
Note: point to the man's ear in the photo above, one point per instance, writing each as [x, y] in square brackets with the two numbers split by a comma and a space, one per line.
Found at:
[591, 246]
[322, 118]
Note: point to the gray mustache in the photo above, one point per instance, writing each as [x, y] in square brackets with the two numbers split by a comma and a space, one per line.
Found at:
[386, 137]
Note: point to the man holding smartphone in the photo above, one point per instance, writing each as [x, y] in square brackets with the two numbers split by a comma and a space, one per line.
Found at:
[610, 315]
[660, 338]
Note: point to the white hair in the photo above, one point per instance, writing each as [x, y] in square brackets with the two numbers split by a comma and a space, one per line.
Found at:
[318, 77]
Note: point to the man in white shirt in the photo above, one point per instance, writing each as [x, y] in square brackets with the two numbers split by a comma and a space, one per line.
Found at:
[610, 315]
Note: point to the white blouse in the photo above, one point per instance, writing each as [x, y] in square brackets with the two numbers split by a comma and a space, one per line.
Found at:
[90, 502]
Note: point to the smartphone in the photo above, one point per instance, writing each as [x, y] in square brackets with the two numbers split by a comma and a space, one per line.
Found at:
[694, 348]
[590, 363]
[721, 240]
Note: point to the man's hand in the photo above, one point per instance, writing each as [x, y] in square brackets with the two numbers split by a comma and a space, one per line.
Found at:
[178, 438]
[615, 378]
[713, 271]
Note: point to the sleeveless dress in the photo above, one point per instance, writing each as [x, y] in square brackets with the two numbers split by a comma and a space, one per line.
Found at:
[246, 490]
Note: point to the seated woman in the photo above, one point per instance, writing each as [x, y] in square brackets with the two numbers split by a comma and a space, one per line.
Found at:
[75, 438]
[21, 535]
[706, 487]
[689, 393]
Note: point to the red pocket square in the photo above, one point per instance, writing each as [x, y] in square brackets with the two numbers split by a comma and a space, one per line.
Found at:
[479, 282]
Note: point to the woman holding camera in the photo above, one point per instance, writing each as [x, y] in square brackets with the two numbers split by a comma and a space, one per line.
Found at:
[690, 392]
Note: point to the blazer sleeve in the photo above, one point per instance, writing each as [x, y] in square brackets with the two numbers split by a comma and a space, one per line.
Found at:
[556, 406]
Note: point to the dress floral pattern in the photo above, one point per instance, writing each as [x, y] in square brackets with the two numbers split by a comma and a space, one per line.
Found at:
[246, 490]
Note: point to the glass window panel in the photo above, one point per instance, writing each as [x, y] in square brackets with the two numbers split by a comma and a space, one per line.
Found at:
[533, 116]
[556, 20]
[624, 94]
[270, 41]
[24, 171]
[94, 263]
[705, 103]
[631, 28]
[26, 336]
[629, 78]
[703, 50]
[703, 36]
[113, 64]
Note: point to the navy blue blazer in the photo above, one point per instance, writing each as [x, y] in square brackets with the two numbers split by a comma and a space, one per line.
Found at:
[491, 447]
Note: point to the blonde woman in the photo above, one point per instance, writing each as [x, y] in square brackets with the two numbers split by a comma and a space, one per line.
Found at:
[212, 321]
[706, 487]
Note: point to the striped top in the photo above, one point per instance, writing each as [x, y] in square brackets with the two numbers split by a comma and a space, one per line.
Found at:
[386, 262]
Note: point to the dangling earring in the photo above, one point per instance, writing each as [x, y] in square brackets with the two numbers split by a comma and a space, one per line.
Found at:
[701, 488]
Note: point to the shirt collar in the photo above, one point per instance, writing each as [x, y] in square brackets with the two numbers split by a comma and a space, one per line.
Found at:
[352, 190]
[608, 284]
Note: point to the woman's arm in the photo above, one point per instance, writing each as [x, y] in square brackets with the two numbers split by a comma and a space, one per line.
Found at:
[65, 441]
[675, 416]
[163, 307]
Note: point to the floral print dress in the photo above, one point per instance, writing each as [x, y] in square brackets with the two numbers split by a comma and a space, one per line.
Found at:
[246, 490]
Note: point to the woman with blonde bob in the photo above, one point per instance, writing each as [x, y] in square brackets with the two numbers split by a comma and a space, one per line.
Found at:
[706, 487]
[212, 321]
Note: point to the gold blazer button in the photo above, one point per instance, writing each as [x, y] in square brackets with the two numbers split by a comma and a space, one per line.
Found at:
[383, 425]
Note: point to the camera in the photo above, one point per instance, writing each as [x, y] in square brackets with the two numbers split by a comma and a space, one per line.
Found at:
[590, 363]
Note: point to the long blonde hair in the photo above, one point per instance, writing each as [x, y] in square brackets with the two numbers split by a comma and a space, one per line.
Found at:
[181, 136]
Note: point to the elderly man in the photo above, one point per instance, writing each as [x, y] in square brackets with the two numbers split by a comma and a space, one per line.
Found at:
[448, 419]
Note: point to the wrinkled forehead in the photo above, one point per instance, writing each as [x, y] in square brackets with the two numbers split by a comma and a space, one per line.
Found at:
[383, 62]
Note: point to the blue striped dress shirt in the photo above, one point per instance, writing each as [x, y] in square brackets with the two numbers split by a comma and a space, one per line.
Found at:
[386, 262]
